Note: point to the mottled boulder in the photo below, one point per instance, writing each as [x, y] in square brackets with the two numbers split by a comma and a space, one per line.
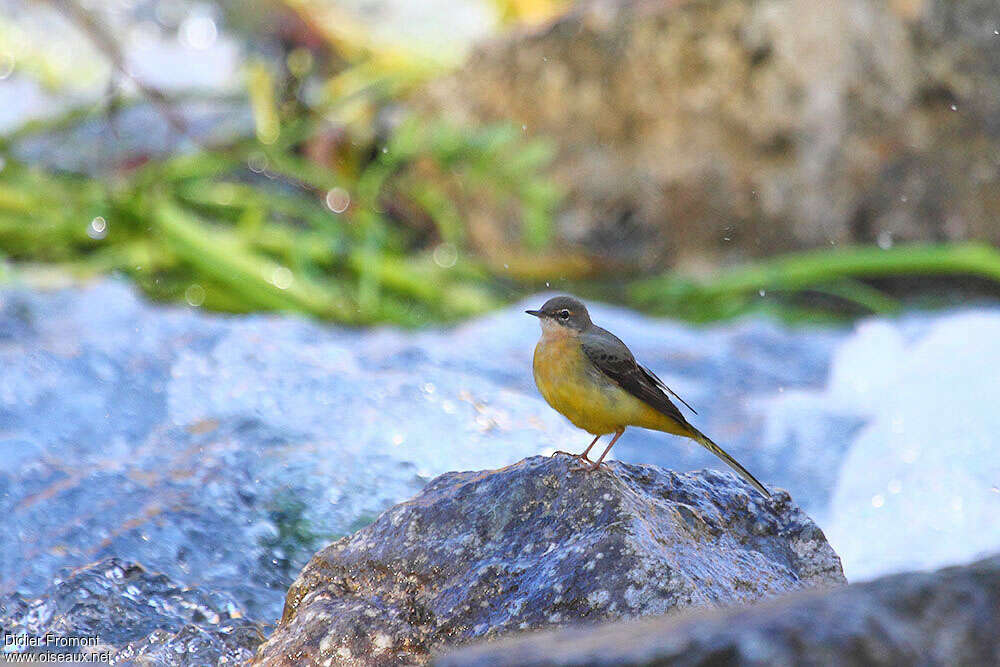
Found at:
[134, 616]
[700, 129]
[949, 617]
[542, 544]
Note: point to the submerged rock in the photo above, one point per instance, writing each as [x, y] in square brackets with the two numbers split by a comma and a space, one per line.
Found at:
[541, 544]
[135, 616]
[948, 617]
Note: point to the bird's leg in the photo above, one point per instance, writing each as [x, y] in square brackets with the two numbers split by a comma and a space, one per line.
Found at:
[582, 457]
[611, 444]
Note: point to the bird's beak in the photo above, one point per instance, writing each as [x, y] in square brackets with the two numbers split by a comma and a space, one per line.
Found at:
[536, 313]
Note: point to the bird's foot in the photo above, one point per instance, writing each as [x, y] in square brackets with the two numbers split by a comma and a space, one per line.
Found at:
[585, 464]
[579, 457]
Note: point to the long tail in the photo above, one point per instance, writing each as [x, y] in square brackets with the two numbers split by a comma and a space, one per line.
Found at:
[705, 442]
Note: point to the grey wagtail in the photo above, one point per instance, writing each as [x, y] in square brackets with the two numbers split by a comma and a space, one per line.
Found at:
[590, 376]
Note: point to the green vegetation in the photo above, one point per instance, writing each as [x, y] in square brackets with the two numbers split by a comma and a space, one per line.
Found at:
[837, 273]
[322, 208]
[296, 539]
[250, 227]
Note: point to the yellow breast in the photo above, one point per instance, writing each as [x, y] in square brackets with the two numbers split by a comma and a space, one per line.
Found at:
[571, 384]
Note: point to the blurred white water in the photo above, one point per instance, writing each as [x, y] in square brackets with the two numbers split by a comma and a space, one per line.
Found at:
[917, 486]
[920, 485]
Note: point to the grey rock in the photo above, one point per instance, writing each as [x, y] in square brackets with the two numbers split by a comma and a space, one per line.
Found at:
[539, 544]
[135, 615]
[697, 131]
[949, 617]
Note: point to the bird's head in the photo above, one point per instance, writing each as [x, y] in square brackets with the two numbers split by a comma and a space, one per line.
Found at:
[562, 313]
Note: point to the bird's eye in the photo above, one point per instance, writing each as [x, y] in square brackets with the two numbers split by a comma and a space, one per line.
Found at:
[564, 314]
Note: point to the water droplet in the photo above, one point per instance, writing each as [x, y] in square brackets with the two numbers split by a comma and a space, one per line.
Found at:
[996, 32]
[194, 295]
[954, 107]
[904, 198]
[385, 150]
[506, 266]
[282, 277]
[337, 200]
[446, 255]
[761, 292]
[878, 500]
[884, 239]
[546, 283]
[524, 128]
[98, 228]
[7, 63]
[257, 163]
[198, 32]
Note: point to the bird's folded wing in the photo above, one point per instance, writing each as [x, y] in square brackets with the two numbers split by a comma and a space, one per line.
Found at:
[611, 356]
[662, 385]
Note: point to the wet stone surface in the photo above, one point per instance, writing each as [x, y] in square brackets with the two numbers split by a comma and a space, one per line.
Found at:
[139, 617]
[947, 617]
[538, 544]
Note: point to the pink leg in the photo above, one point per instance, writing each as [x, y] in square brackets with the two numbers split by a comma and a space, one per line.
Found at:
[587, 450]
[611, 444]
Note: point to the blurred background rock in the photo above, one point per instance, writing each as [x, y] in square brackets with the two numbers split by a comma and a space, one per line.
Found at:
[711, 131]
